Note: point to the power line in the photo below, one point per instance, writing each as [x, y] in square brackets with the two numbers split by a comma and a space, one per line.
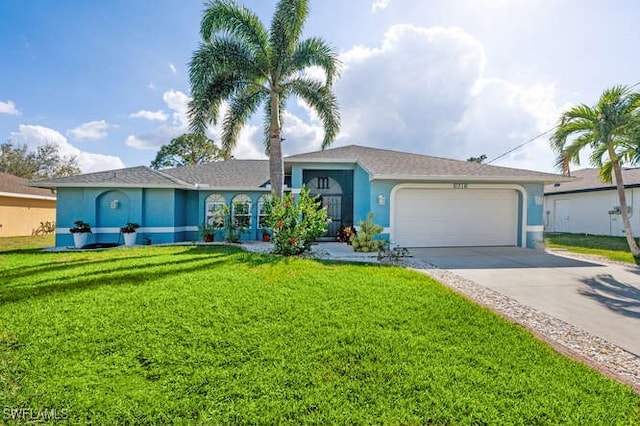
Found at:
[535, 137]
[521, 145]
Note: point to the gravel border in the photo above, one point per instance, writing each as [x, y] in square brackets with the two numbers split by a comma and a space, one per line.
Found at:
[607, 358]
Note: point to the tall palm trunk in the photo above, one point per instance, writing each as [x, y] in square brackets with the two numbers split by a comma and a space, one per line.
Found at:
[617, 170]
[276, 163]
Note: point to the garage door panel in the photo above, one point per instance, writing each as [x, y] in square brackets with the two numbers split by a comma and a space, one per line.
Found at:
[445, 217]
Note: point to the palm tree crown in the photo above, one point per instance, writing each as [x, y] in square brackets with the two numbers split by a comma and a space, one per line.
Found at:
[606, 129]
[243, 64]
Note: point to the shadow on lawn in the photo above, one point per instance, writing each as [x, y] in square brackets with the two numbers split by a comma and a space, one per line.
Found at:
[65, 265]
[79, 278]
[621, 298]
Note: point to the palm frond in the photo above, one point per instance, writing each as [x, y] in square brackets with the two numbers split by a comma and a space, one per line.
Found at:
[241, 106]
[228, 17]
[286, 28]
[606, 172]
[217, 71]
[323, 101]
[315, 52]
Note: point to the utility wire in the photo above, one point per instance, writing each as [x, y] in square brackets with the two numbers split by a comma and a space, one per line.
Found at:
[535, 138]
[521, 145]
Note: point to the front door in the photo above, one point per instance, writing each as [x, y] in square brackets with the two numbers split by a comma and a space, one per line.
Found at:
[333, 203]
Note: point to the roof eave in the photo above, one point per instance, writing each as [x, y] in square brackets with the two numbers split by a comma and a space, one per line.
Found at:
[465, 178]
[52, 185]
[30, 196]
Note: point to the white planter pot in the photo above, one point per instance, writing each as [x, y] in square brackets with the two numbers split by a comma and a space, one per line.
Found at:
[129, 238]
[80, 239]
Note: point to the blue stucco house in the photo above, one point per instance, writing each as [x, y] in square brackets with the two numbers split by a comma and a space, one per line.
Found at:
[421, 201]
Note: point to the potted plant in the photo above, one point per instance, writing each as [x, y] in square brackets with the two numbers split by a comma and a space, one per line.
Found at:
[80, 231]
[207, 232]
[266, 235]
[129, 232]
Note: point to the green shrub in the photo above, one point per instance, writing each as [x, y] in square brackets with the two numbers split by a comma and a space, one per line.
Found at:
[364, 240]
[296, 223]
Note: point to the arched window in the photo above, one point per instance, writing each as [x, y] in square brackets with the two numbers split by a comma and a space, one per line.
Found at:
[215, 207]
[262, 214]
[241, 211]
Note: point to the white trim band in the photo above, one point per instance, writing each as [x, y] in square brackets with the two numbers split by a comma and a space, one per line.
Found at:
[150, 229]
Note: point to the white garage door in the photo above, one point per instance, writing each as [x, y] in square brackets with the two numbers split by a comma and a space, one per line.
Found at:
[455, 217]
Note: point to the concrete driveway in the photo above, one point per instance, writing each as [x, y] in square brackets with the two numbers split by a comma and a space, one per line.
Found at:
[602, 299]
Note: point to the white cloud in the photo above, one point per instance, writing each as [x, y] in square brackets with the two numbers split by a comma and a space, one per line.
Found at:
[35, 136]
[176, 101]
[379, 4]
[172, 68]
[150, 115]
[91, 130]
[151, 85]
[8, 108]
[425, 90]
[179, 103]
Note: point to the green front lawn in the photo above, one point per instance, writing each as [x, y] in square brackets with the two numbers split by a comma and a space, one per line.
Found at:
[614, 248]
[213, 334]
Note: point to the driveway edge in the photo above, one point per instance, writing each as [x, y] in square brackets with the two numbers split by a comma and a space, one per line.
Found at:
[565, 338]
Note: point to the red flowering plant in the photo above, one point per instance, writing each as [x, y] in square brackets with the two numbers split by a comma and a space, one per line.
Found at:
[296, 223]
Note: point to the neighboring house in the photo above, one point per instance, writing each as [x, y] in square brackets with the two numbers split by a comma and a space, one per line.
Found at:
[419, 200]
[22, 207]
[589, 206]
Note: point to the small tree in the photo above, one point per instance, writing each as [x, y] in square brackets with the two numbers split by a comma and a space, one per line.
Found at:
[364, 240]
[44, 162]
[186, 150]
[296, 224]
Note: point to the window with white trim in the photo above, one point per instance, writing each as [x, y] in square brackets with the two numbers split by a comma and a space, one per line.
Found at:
[262, 214]
[241, 210]
[215, 210]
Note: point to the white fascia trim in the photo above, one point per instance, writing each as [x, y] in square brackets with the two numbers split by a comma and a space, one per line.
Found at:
[33, 197]
[150, 229]
[111, 185]
[392, 201]
[475, 179]
[321, 160]
[234, 189]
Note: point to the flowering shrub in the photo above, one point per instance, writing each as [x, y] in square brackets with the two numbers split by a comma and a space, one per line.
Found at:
[296, 223]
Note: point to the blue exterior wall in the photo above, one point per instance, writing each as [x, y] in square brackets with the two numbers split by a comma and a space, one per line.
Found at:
[172, 215]
[535, 214]
[153, 209]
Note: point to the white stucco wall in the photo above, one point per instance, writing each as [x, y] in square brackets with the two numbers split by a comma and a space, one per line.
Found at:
[588, 212]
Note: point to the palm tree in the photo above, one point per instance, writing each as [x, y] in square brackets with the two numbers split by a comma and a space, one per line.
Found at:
[605, 129]
[240, 62]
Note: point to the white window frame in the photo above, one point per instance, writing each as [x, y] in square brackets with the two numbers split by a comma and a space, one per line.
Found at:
[245, 200]
[213, 202]
[262, 216]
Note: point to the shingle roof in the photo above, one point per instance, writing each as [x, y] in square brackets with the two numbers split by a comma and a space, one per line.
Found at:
[236, 174]
[130, 177]
[387, 164]
[253, 174]
[16, 185]
[232, 174]
[589, 180]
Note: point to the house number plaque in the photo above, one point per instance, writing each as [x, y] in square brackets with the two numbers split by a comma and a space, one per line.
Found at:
[460, 185]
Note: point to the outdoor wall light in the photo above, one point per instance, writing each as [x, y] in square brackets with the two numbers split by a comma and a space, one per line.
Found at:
[114, 204]
[381, 200]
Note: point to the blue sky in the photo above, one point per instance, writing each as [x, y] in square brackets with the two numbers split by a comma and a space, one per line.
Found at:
[108, 81]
